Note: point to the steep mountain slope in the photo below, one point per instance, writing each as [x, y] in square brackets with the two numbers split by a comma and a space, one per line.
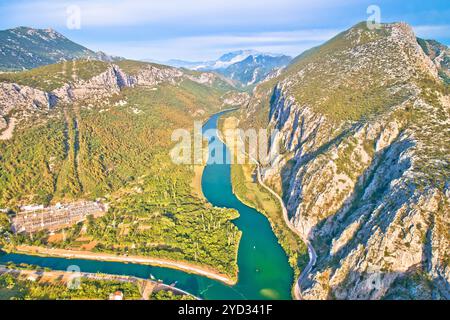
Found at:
[254, 69]
[224, 61]
[30, 92]
[27, 48]
[440, 55]
[88, 130]
[245, 67]
[363, 124]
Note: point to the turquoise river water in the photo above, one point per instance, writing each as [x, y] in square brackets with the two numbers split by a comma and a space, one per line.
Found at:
[264, 271]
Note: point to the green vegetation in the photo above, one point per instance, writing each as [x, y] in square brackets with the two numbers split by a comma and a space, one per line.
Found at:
[332, 81]
[169, 295]
[253, 195]
[120, 152]
[54, 76]
[25, 266]
[424, 45]
[31, 162]
[27, 48]
[11, 288]
[132, 67]
[328, 86]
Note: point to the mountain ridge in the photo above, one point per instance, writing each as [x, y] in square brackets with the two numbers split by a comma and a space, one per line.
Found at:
[37, 92]
[364, 168]
[25, 48]
[245, 67]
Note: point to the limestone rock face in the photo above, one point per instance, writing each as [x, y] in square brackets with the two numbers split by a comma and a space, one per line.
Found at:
[25, 101]
[15, 96]
[364, 175]
[99, 87]
[3, 123]
[151, 76]
[236, 99]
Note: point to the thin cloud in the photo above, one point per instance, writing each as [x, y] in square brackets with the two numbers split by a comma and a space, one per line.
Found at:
[205, 29]
[103, 13]
[209, 47]
[432, 31]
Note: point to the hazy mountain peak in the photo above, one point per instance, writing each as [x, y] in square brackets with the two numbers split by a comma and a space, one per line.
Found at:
[27, 48]
[246, 67]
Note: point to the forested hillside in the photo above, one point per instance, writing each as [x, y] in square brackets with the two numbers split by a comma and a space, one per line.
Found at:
[108, 135]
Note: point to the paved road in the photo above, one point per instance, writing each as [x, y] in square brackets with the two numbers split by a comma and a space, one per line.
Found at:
[149, 285]
[311, 252]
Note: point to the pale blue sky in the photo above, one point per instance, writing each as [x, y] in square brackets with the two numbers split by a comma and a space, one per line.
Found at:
[204, 29]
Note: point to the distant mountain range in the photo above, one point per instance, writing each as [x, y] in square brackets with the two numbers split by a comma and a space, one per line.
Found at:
[359, 155]
[246, 67]
[26, 48]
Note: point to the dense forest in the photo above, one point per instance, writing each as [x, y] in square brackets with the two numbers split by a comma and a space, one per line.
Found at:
[12, 288]
[119, 151]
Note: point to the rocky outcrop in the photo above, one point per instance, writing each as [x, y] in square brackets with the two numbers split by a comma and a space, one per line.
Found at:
[28, 101]
[151, 76]
[26, 48]
[21, 102]
[104, 85]
[236, 99]
[24, 102]
[99, 87]
[14, 96]
[440, 55]
[3, 123]
[368, 187]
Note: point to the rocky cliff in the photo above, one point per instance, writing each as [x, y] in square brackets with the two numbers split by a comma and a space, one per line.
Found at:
[364, 126]
[22, 101]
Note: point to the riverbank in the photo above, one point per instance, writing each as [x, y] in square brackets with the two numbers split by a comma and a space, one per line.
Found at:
[65, 278]
[197, 180]
[196, 183]
[251, 190]
[87, 255]
[259, 277]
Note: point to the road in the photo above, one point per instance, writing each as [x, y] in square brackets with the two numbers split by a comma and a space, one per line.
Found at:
[148, 285]
[311, 252]
[87, 255]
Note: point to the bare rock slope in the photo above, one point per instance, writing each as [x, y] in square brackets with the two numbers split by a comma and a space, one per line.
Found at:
[21, 98]
[364, 171]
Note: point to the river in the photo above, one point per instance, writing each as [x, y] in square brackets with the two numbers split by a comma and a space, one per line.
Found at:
[264, 271]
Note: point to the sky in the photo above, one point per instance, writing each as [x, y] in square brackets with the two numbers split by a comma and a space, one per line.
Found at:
[199, 30]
